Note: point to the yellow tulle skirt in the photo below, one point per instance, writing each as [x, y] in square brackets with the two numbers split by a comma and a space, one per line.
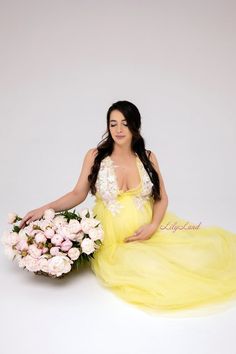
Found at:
[176, 269]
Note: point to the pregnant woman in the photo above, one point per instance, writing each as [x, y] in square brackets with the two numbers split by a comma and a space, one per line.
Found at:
[141, 259]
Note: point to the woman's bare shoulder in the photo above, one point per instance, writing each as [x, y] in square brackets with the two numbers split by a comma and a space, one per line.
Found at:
[91, 154]
[152, 157]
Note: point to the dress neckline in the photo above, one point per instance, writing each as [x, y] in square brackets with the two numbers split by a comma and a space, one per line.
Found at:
[140, 176]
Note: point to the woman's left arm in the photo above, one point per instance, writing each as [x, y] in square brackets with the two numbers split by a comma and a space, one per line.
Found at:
[159, 206]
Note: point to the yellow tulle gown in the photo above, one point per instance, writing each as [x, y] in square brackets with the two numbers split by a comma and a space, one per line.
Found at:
[173, 270]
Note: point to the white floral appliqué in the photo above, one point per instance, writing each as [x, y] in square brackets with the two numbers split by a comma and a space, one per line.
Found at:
[146, 190]
[107, 187]
[108, 190]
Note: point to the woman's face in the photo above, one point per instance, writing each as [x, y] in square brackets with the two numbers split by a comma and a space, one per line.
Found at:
[119, 129]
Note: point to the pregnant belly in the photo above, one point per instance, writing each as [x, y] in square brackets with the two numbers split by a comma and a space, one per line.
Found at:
[127, 218]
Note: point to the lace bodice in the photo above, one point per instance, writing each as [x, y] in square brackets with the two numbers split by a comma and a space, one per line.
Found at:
[108, 189]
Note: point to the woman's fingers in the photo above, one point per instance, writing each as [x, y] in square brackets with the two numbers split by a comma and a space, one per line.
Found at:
[24, 221]
[31, 216]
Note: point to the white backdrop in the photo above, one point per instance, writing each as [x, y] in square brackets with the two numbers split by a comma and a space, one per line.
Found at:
[63, 63]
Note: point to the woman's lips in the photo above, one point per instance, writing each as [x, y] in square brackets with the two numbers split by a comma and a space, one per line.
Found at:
[120, 137]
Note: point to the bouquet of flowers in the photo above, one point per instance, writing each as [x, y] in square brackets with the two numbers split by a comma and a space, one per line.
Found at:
[54, 244]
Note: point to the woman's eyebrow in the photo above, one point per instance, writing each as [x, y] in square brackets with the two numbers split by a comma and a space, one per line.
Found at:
[114, 120]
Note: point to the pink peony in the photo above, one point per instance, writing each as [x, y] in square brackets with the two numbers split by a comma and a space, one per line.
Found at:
[49, 233]
[74, 253]
[79, 236]
[74, 226]
[31, 263]
[11, 218]
[95, 233]
[43, 264]
[22, 245]
[34, 251]
[57, 239]
[13, 238]
[40, 238]
[86, 225]
[66, 245]
[54, 251]
[49, 214]
[87, 246]
[58, 265]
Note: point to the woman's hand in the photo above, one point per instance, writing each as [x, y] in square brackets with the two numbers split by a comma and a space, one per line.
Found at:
[143, 233]
[32, 215]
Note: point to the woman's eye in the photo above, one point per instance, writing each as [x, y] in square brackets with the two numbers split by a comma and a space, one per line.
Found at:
[115, 125]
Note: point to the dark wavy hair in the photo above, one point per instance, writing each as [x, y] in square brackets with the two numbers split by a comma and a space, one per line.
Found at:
[105, 146]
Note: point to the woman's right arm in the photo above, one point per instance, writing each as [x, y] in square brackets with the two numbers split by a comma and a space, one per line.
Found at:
[71, 199]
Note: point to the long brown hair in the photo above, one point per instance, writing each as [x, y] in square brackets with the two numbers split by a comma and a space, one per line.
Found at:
[105, 146]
